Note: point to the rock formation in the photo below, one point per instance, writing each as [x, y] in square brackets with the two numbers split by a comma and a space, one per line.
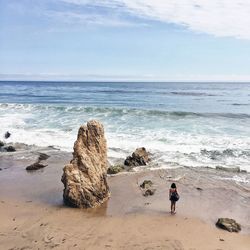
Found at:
[84, 179]
[228, 224]
[139, 158]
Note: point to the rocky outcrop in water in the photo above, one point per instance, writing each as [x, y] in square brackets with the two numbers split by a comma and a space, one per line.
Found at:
[9, 149]
[7, 135]
[228, 224]
[139, 158]
[84, 179]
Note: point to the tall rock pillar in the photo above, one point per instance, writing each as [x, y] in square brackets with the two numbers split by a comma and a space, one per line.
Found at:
[84, 179]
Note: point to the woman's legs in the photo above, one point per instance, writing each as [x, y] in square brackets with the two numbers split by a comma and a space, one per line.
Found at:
[173, 206]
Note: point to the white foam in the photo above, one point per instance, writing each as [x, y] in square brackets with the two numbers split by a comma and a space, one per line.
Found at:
[171, 143]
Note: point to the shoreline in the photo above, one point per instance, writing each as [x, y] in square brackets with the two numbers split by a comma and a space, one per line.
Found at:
[32, 198]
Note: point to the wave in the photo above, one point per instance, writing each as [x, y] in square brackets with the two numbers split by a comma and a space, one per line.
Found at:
[119, 111]
[218, 155]
[241, 104]
[182, 93]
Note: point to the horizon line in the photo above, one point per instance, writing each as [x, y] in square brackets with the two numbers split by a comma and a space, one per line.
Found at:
[129, 81]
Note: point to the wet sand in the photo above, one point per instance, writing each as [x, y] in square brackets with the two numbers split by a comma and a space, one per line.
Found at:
[33, 216]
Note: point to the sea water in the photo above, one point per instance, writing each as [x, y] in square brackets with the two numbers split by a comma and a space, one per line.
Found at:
[181, 124]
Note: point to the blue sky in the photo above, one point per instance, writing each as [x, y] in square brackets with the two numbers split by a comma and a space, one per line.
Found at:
[160, 40]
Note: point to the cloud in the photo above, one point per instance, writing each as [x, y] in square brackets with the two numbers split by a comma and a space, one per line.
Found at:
[223, 18]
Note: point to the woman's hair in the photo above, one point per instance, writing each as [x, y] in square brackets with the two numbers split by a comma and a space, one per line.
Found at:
[173, 185]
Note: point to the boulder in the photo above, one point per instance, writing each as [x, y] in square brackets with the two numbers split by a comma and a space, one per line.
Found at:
[84, 179]
[228, 224]
[1, 144]
[35, 166]
[139, 158]
[115, 169]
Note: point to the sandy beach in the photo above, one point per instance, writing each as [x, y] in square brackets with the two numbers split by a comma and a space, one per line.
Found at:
[33, 215]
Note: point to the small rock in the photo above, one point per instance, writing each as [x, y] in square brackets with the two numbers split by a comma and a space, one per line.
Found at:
[146, 184]
[198, 188]
[7, 135]
[147, 188]
[228, 224]
[1, 144]
[43, 157]
[9, 149]
[1, 169]
[222, 239]
[149, 191]
[35, 166]
[115, 169]
[139, 158]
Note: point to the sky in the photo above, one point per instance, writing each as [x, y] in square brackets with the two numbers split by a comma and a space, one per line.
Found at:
[125, 40]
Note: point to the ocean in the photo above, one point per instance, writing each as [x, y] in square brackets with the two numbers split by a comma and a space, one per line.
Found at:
[181, 124]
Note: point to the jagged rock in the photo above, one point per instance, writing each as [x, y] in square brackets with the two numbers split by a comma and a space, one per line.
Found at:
[1, 144]
[7, 135]
[84, 178]
[115, 169]
[139, 158]
[228, 224]
[9, 149]
[35, 166]
[233, 170]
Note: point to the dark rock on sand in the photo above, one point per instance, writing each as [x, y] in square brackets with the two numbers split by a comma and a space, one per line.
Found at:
[146, 184]
[1, 144]
[139, 158]
[146, 187]
[35, 166]
[233, 170]
[43, 157]
[7, 135]
[228, 224]
[149, 191]
[84, 179]
[115, 169]
[9, 149]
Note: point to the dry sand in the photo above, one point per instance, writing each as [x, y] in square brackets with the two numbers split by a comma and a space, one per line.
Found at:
[33, 216]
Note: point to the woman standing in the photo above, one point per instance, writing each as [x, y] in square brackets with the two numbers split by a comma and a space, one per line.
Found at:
[173, 197]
